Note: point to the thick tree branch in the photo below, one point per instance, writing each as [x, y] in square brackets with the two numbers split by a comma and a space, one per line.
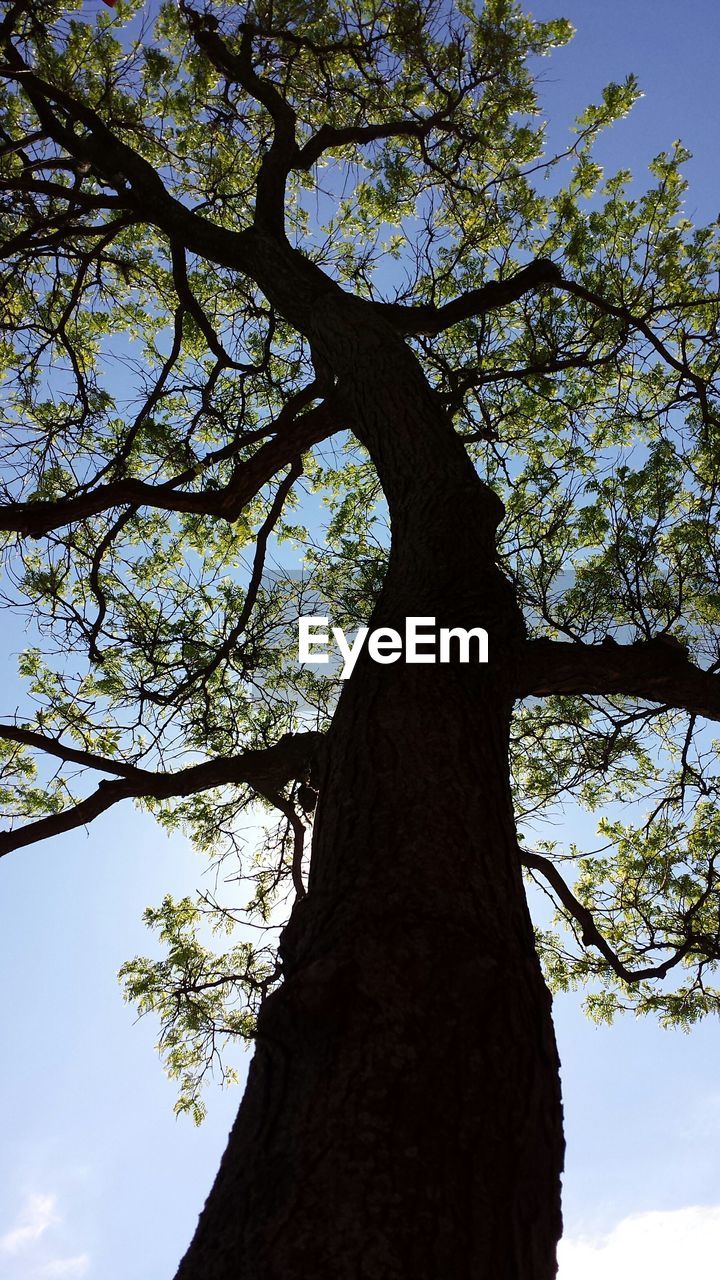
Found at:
[329, 136]
[72, 755]
[296, 434]
[80, 201]
[656, 670]
[266, 771]
[431, 320]
[237, 67]
[590, 934]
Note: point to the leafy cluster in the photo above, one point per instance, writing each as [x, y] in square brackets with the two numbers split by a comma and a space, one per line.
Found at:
[204, 1000]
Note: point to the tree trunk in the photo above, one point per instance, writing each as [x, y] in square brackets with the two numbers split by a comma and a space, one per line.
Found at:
[402, 1117]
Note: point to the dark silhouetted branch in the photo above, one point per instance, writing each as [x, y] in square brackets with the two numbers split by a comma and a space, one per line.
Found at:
[430, 320]
[590, 935]
[656, 670]
[296, 434]
[266, 771]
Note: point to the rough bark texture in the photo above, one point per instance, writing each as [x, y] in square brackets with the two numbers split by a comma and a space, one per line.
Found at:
[402, 1118]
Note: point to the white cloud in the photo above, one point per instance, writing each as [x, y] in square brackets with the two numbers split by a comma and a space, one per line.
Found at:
[38, 1213]
[66, 1268]
[34, 1256]
[661, 1245]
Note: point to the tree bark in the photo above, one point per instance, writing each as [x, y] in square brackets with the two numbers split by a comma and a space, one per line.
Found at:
[402, 1118]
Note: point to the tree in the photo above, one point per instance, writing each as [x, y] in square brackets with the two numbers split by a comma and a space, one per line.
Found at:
[230, 237]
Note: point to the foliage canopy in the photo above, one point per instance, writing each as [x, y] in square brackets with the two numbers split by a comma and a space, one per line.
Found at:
[179, 481]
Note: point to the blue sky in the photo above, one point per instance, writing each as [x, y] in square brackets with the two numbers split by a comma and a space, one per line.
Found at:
[97, 1178]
